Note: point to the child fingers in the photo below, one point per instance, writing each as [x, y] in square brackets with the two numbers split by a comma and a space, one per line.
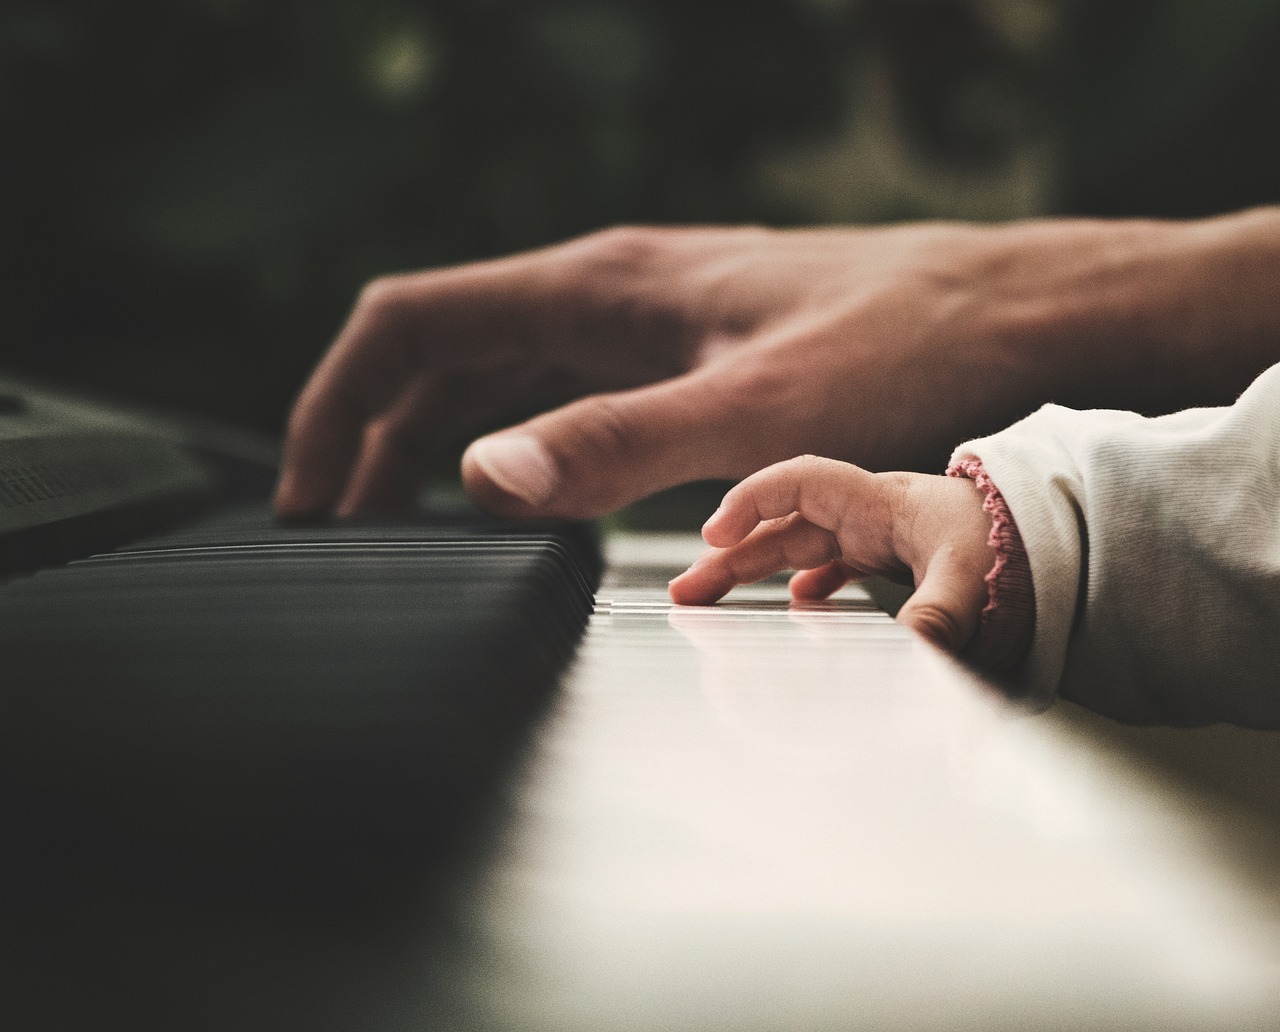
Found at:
[822, 581]
[823, 491]
[700, 585]
[779, 545]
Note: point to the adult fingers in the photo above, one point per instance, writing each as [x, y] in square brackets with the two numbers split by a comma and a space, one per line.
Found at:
[395, 449]
[378, 397]
[368, 365]
[320, 445]
[599, 453]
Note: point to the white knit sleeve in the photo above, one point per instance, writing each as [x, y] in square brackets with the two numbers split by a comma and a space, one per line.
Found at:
[1154, 547]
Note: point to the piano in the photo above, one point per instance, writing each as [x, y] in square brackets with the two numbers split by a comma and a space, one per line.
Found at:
[446, 773]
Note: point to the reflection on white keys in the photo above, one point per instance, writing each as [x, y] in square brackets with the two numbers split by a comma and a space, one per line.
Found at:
[754, 817]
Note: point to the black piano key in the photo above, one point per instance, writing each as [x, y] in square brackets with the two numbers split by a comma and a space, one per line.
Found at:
[256, 701]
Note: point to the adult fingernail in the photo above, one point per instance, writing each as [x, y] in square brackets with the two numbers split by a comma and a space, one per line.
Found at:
[518, 464]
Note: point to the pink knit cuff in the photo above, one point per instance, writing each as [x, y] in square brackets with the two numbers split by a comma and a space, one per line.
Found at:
[1008, 620]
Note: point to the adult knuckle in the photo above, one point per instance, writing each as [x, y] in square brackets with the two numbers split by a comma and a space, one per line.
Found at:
[622, 250]
[610, 426]
[763, 383]
[378, 294]
[631, 259]
[382, 302]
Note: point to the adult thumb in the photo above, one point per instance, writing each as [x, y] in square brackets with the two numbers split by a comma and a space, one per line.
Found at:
[601, 452]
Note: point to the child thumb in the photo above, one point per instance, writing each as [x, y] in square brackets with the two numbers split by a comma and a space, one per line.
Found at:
[947, 604]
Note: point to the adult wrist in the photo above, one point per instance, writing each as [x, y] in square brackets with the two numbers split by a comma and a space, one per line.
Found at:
[1147, 315]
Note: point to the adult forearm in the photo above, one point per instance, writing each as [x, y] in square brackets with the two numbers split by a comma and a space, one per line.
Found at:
[1146, 315]
[1231, 332]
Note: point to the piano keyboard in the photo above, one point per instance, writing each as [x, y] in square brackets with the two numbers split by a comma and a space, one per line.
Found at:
[271, 698]
[744, 817]
[760, 816]
[379, 777]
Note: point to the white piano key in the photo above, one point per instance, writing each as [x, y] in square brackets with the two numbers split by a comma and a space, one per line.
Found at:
[756, 817]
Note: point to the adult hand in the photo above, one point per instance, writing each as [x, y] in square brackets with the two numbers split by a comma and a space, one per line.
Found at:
[837, 523]
[680, 354]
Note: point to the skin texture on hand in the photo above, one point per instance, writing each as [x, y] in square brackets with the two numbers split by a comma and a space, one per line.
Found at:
[682, 354]
[836, 523]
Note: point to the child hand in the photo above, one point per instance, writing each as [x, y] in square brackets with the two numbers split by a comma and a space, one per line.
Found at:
[836, 523]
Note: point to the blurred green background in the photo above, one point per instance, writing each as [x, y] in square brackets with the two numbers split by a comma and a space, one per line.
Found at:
[194, 190]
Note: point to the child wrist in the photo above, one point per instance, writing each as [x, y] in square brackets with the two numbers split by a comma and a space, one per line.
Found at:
[1007, 624]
